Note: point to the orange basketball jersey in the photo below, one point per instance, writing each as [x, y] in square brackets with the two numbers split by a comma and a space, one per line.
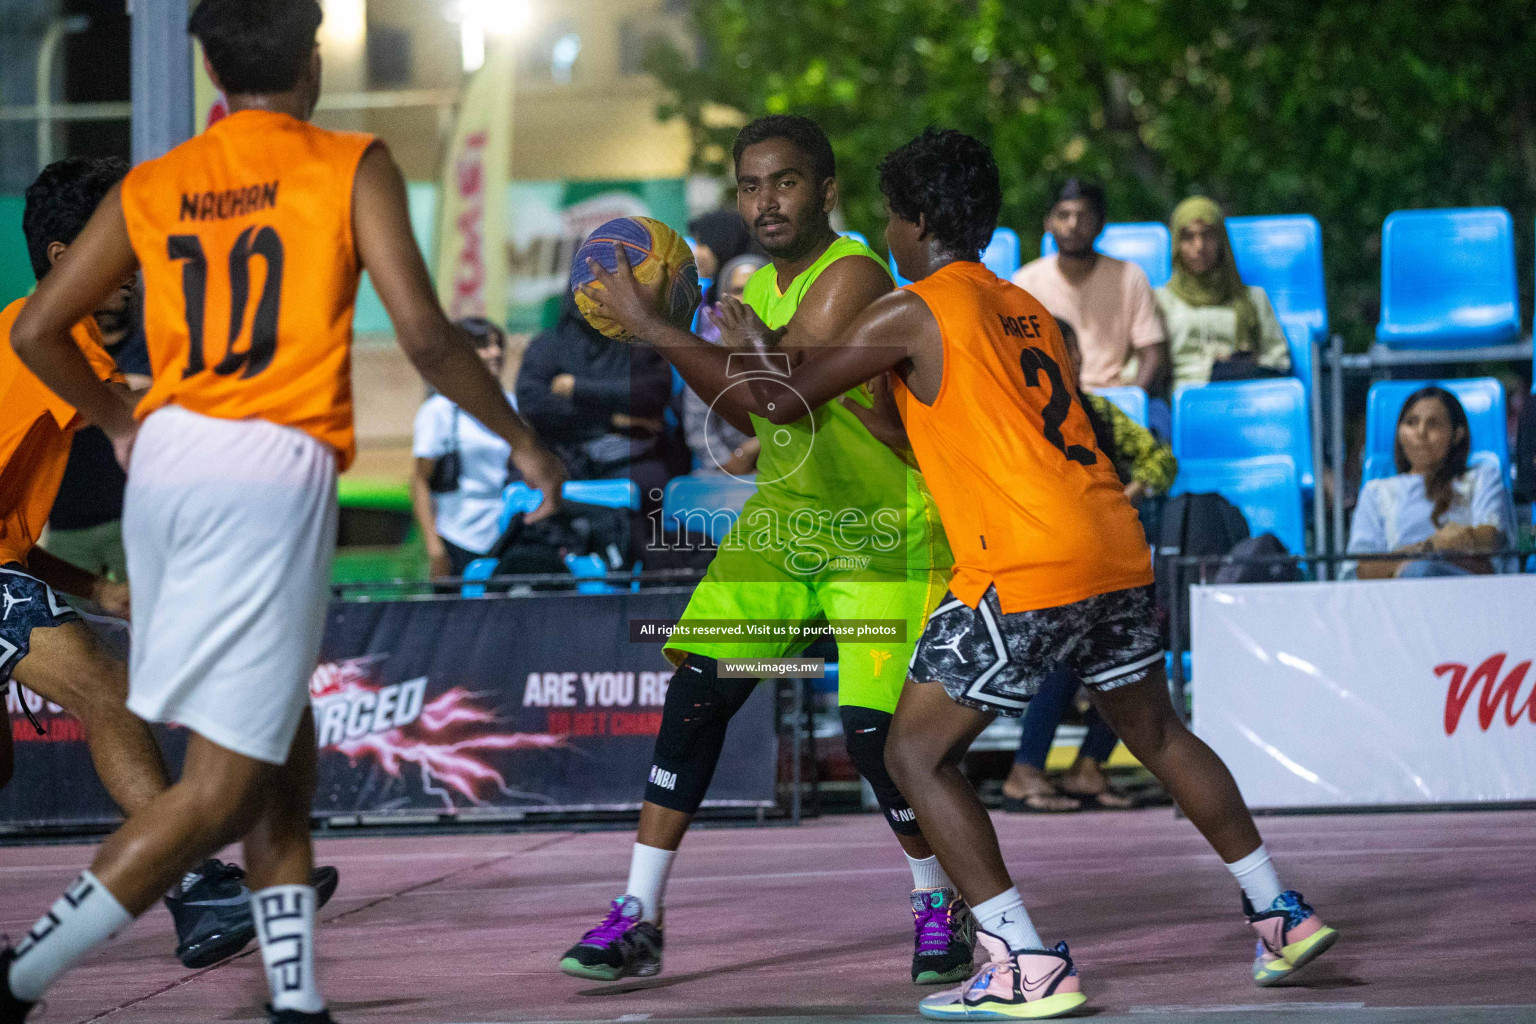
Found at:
[36, 428]
[250, 273]
[1030, 504]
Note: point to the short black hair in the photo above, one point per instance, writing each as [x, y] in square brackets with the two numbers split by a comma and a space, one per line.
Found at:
[802, 131]
[484, 332]
[1090, 192]
[257, 46]
[951, 180]
[62, 199]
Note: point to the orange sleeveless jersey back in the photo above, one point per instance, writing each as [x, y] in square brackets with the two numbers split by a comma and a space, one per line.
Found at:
[1030, 504]
[250, 273]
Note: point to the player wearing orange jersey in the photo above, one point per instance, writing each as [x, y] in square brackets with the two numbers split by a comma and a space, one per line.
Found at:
[43, 644]
[1050, 567]
[251, 238]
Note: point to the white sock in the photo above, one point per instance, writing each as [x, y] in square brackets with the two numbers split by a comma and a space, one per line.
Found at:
[649, 867]
[82, 919]
[928, 873]
[1257, 877]
[285, 924]
[1004, 916]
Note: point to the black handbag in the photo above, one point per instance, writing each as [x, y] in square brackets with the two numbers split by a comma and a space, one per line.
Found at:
[448, 467]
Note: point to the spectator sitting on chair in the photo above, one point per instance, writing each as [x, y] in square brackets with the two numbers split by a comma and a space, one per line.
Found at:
[717, 446]
[1147, 468]
[1109, 301]
[1435, 503]
[460, 469]
[598, 403]
[1218, 327]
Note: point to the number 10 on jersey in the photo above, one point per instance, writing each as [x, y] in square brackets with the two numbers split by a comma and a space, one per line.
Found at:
[257, 356]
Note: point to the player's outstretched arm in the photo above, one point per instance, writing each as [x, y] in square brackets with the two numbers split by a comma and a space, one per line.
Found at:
[896, 331]
[90, 270]
[441, 353]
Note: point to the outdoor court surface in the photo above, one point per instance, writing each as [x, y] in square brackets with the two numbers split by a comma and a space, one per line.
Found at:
[1438, 913]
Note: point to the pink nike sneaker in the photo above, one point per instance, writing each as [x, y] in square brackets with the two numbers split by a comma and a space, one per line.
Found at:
[1291, 935]
[1032, 985]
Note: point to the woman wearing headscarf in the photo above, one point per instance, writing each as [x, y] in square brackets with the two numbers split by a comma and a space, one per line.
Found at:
[1215, 321]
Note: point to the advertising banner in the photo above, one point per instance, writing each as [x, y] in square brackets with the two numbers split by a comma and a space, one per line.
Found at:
[471, 263]
[540, 704]
[450, 707]
[1370, 693]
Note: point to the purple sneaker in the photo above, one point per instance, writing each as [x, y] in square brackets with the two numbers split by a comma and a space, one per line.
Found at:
[945, 937]
[621, 946]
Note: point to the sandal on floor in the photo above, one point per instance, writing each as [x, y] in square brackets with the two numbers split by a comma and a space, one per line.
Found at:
[1041, 803]
[1106, 801]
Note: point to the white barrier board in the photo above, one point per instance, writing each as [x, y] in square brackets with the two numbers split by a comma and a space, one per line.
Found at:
[1371, 692]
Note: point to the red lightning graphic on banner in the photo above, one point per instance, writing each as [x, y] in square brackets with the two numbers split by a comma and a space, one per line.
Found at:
[345, 692]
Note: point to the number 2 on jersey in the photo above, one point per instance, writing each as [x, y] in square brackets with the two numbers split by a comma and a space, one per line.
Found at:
[1034, 362]
[257, 356]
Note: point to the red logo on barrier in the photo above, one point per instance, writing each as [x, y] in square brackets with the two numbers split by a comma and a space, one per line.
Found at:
[1461, 686]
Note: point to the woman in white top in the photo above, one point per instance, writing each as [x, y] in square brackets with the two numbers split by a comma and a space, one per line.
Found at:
[1435, 502]
[1210, 315]
[460, 469]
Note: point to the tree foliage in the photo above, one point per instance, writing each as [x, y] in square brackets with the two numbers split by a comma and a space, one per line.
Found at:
[1345, 110]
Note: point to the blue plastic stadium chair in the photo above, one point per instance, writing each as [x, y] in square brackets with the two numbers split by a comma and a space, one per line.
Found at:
[1448, 279]
[1264, 488]
[1481, 397]
[1144, 243]
[1240, 419]
[479, 569]
[708, 503]
[1298, 341]
[1001, 256]
[1284, 256]
[608, 493]
[1130, 400]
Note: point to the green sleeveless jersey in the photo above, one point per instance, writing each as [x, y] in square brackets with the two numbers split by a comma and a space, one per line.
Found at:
[830, 496]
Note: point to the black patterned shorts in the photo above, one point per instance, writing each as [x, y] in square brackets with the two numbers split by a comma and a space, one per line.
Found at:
[995, 662]
[25, 604]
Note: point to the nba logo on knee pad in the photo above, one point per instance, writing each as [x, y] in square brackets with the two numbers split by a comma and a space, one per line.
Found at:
[662, 778]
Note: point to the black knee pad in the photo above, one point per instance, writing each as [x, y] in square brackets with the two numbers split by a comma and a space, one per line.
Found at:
[864, 733]
[694, 718]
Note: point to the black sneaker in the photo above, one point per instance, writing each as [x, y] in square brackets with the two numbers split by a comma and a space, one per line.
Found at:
[12, 1010]
[622, 946]
[297, 1016]
[945, 937]
[212, 911]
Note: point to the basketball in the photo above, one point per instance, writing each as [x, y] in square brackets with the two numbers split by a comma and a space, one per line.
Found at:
[656, 253]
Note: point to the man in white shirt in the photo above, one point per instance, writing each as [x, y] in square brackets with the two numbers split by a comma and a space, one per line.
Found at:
[1108, 301]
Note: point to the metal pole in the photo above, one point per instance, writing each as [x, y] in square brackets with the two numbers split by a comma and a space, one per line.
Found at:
[796, 713]
[58, 28]
[1336, 354]
[1321, 543]
[161, 77]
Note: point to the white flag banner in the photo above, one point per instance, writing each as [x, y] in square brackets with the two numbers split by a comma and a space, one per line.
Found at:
[1370, 693]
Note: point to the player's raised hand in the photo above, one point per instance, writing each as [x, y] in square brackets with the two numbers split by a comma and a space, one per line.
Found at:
[740, 326]
[620, 297]
[543, 471]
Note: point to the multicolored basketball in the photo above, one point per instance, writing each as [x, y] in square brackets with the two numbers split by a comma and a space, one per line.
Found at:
[655, 253]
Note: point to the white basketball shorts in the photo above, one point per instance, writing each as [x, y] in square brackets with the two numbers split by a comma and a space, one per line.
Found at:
[229, 526]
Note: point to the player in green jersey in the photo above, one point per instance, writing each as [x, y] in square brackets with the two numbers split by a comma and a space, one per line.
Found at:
[840, 528]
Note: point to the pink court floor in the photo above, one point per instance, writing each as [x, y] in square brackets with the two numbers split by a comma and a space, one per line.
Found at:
[1438, 912]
